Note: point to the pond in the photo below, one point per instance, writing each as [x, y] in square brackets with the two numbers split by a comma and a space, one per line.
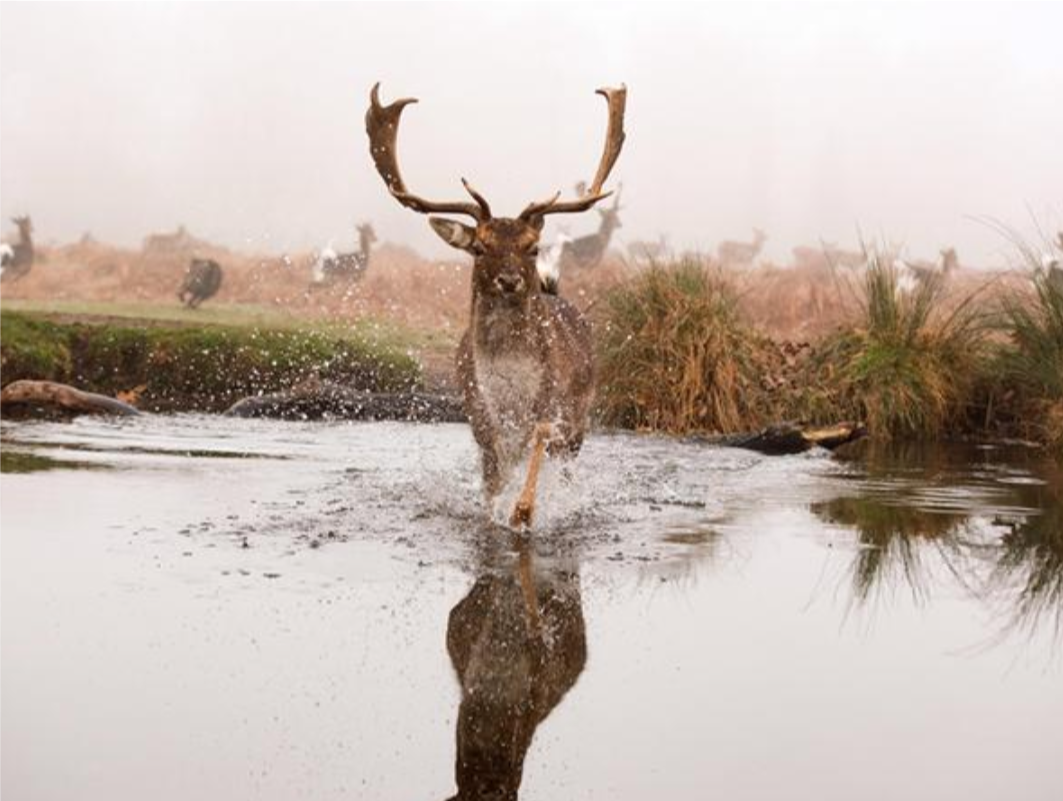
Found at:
[204, 607]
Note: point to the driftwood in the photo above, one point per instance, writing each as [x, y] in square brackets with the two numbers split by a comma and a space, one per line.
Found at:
[336, 402]
[784, 438]
[24, 398]
[323, 401]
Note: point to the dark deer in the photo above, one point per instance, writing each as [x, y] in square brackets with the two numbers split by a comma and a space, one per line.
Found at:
[18, 258]
[587, 251]
[518, 644]
[346, 267]
[525, 363]
[202, 282]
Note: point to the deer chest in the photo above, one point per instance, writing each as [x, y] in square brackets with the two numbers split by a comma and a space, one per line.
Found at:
[509, 385]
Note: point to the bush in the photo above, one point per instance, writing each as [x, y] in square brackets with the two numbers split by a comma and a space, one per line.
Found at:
[908, 369]
[1030, 365]
[674, 355]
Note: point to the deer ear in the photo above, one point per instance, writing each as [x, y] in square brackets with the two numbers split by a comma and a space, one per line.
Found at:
[454, 233]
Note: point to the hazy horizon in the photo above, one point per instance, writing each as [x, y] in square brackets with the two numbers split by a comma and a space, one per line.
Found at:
[244, 122]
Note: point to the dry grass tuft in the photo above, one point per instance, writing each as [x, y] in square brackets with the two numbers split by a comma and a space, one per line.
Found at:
[675, 355]
[908, 369]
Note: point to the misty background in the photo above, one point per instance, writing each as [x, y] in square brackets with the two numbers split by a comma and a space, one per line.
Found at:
[244, 122]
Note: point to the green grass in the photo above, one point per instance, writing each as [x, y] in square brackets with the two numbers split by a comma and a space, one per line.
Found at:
[234, 315]
[194, 367]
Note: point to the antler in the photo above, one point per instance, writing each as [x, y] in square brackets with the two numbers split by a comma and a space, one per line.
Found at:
[382, 125]
[614, 140]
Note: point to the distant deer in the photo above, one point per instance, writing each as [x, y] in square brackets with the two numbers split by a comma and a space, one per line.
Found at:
[17, 259]
[525, 363]
[587, 251]
[202, 282]
[828, 254]
[518, 644]
[648, 250]
[914, 273]
[332, 267]
[180, 241]
[733, 254]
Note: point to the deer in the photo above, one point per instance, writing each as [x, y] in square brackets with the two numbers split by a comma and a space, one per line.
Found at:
[649, 250]
[525, 364]
[587, 251]
[202, 282]
[180, 241]
[911, 274]
[332, 267]
[741, 253]
[17, 259]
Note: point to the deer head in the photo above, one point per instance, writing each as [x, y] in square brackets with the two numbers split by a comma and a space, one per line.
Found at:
[503, 248]
[949, 260]
[25, 226]
[366, 233]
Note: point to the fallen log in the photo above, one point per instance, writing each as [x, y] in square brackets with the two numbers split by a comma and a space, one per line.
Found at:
[335, 402]
[28, 398]
[786, 438]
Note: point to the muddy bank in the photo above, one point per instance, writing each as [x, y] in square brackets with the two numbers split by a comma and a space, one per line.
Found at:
[193, 368]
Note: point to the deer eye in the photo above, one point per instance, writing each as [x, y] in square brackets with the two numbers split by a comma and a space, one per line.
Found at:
[477, 248]
[534, 250]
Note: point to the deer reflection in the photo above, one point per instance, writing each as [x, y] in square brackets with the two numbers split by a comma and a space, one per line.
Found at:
[518, 644]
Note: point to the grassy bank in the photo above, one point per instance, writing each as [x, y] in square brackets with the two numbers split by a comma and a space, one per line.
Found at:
[677, 356]
[199, 366]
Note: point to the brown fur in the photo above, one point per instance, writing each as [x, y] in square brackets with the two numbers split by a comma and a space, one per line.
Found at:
[514, 332]
[525, 363]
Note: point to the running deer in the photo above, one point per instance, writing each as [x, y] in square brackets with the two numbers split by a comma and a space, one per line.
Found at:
[18, 258]
[741, 253]
[201, 282]
[525, 363]
[587, 251]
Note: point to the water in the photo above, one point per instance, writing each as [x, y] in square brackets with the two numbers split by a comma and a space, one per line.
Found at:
[212, 608]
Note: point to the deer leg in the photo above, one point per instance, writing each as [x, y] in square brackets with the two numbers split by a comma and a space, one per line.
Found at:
[525, 508]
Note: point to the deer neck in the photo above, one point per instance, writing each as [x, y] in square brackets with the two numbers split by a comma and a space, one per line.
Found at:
[605, 232]
[500, 327]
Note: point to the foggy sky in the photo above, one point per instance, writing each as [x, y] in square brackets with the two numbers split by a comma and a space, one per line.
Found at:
[245, 121]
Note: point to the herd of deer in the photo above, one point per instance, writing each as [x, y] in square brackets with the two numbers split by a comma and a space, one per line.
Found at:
[525, 363]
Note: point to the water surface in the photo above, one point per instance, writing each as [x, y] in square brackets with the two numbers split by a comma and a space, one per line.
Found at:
[213, 608]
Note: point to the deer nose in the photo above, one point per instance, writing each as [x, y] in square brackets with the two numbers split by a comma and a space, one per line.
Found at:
[509, 284]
